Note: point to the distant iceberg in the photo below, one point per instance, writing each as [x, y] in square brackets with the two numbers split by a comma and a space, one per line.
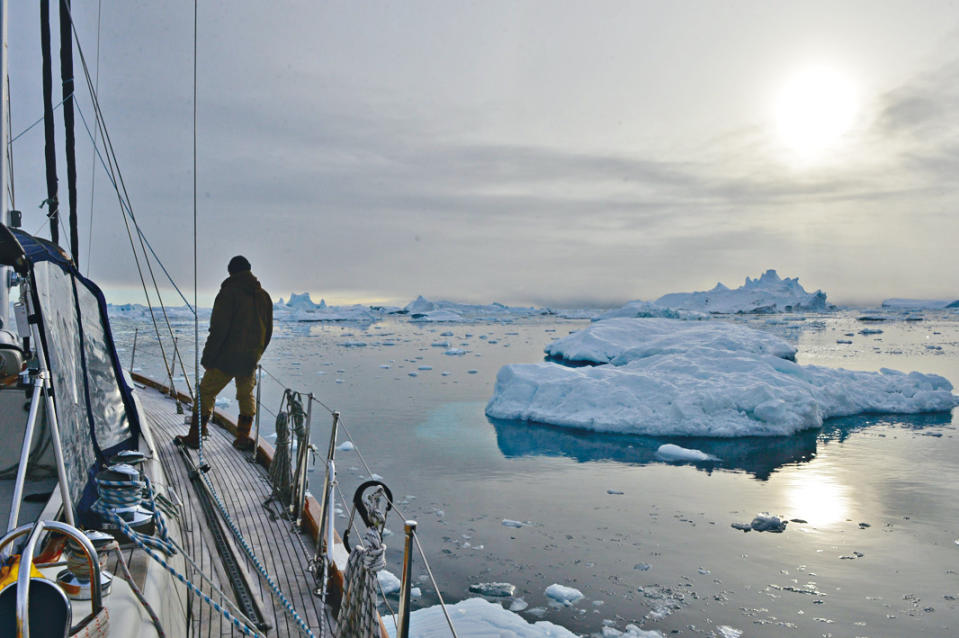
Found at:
[423, 310]
[767, 294]
[704, 384]
[619, 341]
[646, 309]
[920, 304]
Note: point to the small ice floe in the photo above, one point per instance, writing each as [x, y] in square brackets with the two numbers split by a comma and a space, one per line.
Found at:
[445, 373]
[870, 331]
[614, 492]
[670, 452]
[353, 344]
[472, 371]
[563, 595]
[440, 344]
[631, 631]
[413, 374]
[389, 583]
[339, 380]
[843, 341]
[385, 366]
[455, 352]
[346, 446]
[763, 523]
[425, 368]
[725, 631]
[643, 567]
[511, 523]
[495, 590]
[223, 402]
[518, 605]
[447, 333]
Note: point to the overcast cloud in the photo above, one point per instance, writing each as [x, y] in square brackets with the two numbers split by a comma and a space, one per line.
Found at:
[560, 153]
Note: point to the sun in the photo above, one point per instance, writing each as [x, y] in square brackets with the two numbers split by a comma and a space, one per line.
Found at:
[816, 109]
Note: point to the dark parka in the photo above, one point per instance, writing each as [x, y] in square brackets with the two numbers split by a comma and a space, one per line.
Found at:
[241, 325]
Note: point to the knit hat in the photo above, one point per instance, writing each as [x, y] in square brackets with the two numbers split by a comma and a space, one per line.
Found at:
[238, 264]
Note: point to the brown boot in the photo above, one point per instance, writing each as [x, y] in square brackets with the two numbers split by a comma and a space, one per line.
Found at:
[192, 438]
[243, 440]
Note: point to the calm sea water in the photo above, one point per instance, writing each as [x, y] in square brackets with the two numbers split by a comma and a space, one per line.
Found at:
[877, 555]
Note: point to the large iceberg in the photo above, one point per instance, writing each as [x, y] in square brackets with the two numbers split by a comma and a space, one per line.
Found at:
[619, 341]
[422, 310]
[646, 309]
[767, 294]
[702, 383]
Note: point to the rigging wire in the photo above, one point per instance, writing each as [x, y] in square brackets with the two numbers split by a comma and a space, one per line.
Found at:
[9, 151]
[93, 166]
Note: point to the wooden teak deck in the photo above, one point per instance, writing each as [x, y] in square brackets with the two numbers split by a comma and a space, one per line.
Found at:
[242, 486]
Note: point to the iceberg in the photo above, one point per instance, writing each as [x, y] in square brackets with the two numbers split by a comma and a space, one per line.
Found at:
[920, 304]
[647, 309]
[620, 341]
[705, 385]
[767, 294]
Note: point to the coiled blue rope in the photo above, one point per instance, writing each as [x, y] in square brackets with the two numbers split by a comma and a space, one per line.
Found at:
[121, 494]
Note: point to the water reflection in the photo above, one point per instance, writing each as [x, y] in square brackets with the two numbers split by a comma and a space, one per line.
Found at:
[759, 456]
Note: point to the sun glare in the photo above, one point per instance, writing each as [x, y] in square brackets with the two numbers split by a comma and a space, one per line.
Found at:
[816, 108]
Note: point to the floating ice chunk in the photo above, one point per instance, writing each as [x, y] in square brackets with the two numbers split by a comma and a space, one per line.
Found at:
[511, 523]
[346, 446]
[670, 452]
[614, 491]
[648, 309]
[477, 618]
[562, 594]
[389, 583]
[725, 631]
[518, 605]
[472, 371]
[918, 304]
[631, 631]
[385, 366]
[446, 334]
[455, 352]
[499, 590]
[353, 344]
[440, 344]
[767, 523]
[413, 374]
[870, 331]
[223, 402]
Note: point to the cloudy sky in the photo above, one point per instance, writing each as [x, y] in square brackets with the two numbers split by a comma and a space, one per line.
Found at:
[524, 152]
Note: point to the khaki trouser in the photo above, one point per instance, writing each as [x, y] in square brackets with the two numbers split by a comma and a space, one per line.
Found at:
[215, 380]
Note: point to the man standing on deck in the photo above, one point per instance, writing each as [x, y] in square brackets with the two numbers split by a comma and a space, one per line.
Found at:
[240, 329]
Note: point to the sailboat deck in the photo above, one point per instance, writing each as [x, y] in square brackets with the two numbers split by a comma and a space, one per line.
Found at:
[243, 487]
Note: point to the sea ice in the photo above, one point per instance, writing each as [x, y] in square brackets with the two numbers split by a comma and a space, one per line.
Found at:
[562, 594]
[476, 618]
[645, 309]
[511, 523]
[918, 304]
[498, 590]
[346, 446]
[670, 452]
[631, 631]
[389, 583]
[708, 386]
[620, 341]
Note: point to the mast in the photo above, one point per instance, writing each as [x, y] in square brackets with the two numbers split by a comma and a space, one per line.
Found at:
[66, 78]
[49, 146]
[4, 146]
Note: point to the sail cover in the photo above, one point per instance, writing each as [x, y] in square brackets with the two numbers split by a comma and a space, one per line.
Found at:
[95, 408]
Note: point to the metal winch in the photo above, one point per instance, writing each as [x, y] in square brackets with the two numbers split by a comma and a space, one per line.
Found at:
[75, 579]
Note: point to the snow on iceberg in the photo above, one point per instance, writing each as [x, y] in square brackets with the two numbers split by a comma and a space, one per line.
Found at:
[708, 387]
[423, 310]
[767, 294]
[476, 618]
[620, 341]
